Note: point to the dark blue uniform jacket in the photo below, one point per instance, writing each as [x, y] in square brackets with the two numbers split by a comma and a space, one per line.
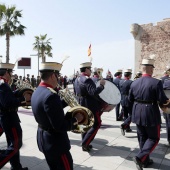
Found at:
[116, 82]
[124, 86]
[147, 89]
[48, 112]
[9, 104]
[164, 78]
[87, 93]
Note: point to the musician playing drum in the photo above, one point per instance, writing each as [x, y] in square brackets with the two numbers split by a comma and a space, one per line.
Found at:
[87, 93]
[145, 93]
[48, 111]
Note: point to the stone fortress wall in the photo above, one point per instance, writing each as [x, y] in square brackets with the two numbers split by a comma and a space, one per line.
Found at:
[152, 39]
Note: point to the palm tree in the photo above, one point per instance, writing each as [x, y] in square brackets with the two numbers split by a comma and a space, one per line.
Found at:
[43, 46]
[10, 25]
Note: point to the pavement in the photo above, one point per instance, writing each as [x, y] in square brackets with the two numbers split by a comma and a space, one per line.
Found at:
[111, 150]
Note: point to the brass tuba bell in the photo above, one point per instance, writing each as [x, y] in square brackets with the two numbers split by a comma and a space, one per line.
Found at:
[88, 118]
[24, 88]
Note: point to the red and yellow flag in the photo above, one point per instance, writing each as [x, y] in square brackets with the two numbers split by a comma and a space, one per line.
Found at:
[89, 50]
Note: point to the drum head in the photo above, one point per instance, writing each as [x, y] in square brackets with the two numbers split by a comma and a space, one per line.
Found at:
[110, 94]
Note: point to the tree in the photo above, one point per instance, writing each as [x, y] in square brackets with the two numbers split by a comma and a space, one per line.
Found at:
[43, 46]
[10, 26]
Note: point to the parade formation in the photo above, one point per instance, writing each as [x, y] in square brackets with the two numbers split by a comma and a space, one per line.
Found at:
[140, 100]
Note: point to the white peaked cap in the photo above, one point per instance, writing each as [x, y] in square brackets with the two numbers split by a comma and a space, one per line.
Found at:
[87, 64]
[119, 70]
[50, 66]
[139, 72]
[128, 70]
[149, 62]
[7, 66]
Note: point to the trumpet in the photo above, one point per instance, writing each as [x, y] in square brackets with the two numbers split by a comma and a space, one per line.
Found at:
[88, 118]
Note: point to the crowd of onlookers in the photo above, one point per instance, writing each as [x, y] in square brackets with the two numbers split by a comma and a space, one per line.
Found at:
[34, 82]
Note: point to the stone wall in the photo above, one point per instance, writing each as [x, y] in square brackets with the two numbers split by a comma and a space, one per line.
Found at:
[152, 39]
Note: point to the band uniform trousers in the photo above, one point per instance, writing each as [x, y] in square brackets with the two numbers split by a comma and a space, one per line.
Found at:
[167, 118]
[89, 136]
[148, 137]
[56, 160]
[117, 111]
[128, 117]
[14, 141]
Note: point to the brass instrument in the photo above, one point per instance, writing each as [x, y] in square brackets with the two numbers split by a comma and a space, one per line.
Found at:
[99, 72]
[88, 119]
[138, 75]
[24, 88]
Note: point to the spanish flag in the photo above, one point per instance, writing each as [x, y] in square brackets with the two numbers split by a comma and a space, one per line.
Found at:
[89, 50]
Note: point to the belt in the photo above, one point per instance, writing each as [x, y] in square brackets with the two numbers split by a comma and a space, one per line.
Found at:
[50, 130]
[145, 101]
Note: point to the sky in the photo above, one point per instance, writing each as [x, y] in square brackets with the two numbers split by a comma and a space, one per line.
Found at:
[75, 24]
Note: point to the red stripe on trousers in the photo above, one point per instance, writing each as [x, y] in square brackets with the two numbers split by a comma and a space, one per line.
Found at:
[143, 159]
[94, 133]
[15, 148]
[65, 161]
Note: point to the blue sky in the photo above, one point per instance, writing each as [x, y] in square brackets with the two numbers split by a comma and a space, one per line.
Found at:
[74, 24]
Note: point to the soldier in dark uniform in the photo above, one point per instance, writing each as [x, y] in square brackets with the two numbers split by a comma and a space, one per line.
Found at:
[33, 81]
[28, 78]
[116, 81]
[87, 94]
[124, 85]
[166, 86]
[9, 119]
[53, 125]
[38, 81]
[166, 76]
[145, 93]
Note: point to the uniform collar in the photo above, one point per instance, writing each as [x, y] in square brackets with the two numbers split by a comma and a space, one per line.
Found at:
[118, 77]
[2, 78]
[84, 74]
[126, 78]
[146, 75]
[45, 85]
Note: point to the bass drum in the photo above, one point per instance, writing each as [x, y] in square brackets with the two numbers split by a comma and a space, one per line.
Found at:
[110, 96]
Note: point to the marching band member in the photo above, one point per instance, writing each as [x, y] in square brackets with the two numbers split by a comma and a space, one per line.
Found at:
[47, 108]
[138, 75]
[116, 81]
[145, 93]
[166, 76]
[96, 76]
[124, 85]
[9, 119]
[166, 86]
[87, 93]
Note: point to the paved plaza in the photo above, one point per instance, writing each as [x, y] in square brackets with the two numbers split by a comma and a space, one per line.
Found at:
[111, 150]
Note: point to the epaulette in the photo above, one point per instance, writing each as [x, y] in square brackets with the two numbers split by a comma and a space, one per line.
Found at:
[52, 90]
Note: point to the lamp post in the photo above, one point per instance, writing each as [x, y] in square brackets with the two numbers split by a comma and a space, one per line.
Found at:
[37, 55]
